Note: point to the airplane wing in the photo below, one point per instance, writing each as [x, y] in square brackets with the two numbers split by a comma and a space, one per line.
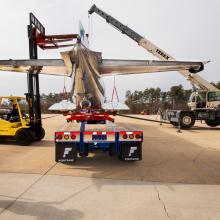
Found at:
[42, 66]
[123, 67]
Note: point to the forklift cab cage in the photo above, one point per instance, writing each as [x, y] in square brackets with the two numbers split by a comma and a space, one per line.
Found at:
[15, 100]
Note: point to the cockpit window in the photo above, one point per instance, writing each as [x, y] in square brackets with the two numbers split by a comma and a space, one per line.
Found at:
[214, 96]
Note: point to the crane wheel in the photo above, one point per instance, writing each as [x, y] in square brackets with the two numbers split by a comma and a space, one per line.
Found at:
[23, 137]
[212, 123]
[187, 120]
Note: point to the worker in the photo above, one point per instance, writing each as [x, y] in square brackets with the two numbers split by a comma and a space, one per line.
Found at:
[13, 116]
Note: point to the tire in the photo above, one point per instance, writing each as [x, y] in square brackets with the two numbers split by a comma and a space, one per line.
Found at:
[175, 124]
[23, 137]
[187, 120]
[85, 153]
[42, 135]
[212, 123]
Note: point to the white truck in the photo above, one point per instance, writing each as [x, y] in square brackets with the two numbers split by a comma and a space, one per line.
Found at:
[204, 102]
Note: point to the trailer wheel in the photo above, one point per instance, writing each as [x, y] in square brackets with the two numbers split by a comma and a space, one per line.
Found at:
[187, 120]
[212, 123]
[23, 137]
[85, 153]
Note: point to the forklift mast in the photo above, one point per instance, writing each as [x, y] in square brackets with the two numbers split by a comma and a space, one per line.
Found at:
[38, 38]
[33, 95]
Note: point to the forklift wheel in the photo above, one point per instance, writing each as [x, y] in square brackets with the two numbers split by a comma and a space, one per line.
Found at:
[23, 137]
[42, 135]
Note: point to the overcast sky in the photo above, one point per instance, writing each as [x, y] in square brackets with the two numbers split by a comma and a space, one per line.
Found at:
[186, 29]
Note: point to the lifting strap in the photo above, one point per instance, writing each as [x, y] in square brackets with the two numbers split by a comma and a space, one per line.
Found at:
[64, 93]
[114, 92]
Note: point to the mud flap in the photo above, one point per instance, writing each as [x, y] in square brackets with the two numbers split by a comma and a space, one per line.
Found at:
[130, 151]
[66, 152]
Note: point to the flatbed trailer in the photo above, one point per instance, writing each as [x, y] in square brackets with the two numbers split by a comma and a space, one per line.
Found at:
[78, 139]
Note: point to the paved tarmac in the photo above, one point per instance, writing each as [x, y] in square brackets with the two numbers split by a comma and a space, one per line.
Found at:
[178, 178]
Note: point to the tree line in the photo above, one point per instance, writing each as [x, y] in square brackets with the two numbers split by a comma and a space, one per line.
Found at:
[148, 100]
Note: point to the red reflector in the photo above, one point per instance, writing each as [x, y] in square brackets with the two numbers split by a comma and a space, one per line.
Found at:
[125, 136]
[131, 136]
[137, 136]
[59, 136]
[87, 132]
[73, 136]
[110, 132]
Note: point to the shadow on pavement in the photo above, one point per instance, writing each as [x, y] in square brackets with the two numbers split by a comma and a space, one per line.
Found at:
[42, 143]
[41, 210]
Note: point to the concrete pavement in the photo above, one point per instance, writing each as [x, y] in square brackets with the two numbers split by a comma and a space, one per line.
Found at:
[66, 197]
[178, 178]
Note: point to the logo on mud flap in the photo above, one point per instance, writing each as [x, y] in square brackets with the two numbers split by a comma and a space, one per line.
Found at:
[132, 150]
[66, 151]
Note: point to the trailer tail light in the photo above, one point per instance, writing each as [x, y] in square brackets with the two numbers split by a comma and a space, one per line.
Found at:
[125, 136]
[137, 136]
[131, 136]
[73, 136]
[66, 136]
[59, 136]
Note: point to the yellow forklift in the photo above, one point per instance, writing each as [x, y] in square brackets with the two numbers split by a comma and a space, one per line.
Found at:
[25, 129]
[14, 123]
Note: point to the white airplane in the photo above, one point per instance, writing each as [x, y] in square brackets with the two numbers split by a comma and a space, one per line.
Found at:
[87, 68]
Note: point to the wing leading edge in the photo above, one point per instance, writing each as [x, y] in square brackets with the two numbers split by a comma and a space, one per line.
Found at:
[106, 67]
[121, 67]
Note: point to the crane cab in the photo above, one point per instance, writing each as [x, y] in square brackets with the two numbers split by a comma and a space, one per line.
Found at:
[204, 100]
[197, 100]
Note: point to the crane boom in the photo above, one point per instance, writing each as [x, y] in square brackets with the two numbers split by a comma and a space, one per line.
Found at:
[153, 49]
